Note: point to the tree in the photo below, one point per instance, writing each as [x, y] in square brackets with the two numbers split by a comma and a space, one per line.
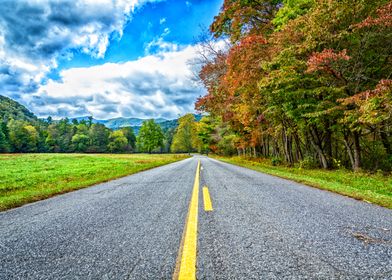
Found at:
[168, 135]
[4, 145]
[185, 138]
[23, 136]
[303, 80]
[239, 18]
[131, 138]
[99, 138]
[52, 138]
[32, 138]
[374, 109]
[290, 10]
[63, 135]
[205, 130]
[117, 142]
[80, 142]
[49, 120]
[89, 121]
[150, 136]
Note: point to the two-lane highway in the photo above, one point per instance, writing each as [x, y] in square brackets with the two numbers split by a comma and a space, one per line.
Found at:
[248, 226]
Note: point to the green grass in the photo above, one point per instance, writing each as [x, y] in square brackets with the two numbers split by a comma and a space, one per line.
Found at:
[374, 188]
[26, 178]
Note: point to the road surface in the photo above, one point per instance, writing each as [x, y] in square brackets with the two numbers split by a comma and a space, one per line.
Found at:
[140, 227]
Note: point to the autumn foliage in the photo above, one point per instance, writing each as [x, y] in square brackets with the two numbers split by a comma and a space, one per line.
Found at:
[383, 18]
[303, 81]
[325, 60]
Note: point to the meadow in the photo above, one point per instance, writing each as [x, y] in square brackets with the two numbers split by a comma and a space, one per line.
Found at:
[372, 188]
[26, 178]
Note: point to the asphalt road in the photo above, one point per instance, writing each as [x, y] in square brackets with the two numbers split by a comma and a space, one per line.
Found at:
[261, 227]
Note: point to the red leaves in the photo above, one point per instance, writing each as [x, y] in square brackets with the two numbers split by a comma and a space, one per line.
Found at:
[200, 103]
[227, 116]
[371, 107]
[323, 60]
[327, 61]
[249, 48]
[383, 19]
[253, 39]
[244, 61]
[382, 87]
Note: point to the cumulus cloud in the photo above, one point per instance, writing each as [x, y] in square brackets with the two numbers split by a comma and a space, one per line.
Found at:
[158, 85]
[159, 44]
[35, 34]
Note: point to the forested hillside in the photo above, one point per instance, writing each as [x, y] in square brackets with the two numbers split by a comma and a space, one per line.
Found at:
[303, 82]
[10, 109]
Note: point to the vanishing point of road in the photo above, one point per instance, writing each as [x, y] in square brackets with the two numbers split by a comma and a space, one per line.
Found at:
[197, 219]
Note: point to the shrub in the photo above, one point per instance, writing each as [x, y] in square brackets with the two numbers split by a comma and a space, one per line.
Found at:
[276, 161]
[308, 163]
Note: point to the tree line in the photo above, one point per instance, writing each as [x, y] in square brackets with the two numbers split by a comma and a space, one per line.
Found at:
[303, 82]
[65, 136]
[22, 132]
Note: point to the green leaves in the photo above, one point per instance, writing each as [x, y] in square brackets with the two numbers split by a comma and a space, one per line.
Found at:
[150, 136]
[291, 10]
[185, 138]
[117, 141]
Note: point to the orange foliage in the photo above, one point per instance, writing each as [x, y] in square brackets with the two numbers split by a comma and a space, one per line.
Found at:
[324, 60]
[384, 18]
[382, 87]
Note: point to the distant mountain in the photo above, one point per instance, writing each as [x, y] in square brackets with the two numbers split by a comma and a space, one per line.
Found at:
[135, 123]
[10, 109]
[163, 123]
[117, 123]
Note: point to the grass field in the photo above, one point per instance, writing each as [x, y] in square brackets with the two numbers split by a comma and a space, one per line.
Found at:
[374, 188]
[26, 178]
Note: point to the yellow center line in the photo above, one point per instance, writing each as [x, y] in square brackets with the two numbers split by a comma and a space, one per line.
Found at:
[187, 267]
[207, 200]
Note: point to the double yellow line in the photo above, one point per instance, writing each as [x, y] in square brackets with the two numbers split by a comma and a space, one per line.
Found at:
[186, 262]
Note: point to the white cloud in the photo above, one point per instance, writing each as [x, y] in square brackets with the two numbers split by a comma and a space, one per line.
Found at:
[157, 85]
[34, 34]
[160, 45]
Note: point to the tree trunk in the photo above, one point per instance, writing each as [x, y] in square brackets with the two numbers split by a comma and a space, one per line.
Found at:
[319, 151]
[385, 141]
[287, 147]
[328, 146]
[275, 149]
[357, 151]
[298, 147]
[349, 152]
[267, 147]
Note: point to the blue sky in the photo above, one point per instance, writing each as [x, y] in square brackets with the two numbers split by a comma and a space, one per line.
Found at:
[104, 58]
[185, 20]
